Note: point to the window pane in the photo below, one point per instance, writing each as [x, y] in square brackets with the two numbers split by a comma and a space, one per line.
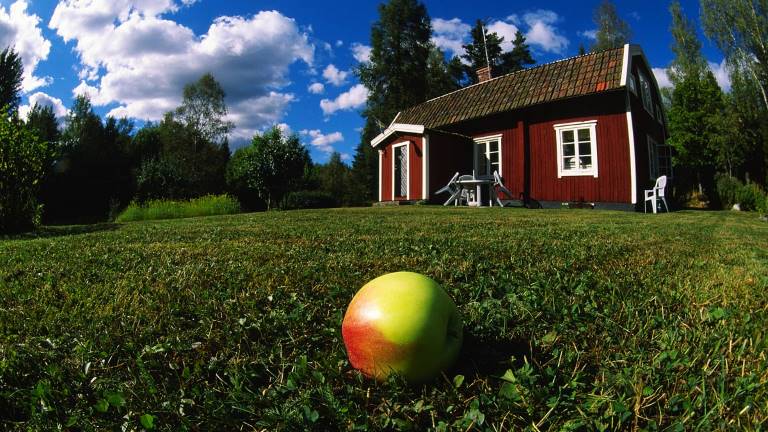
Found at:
[494, 146]
[585, 149]
[567, 136]
[585, 162]
[494, 158]
[584, 134]
[569, 149]
[569, 163]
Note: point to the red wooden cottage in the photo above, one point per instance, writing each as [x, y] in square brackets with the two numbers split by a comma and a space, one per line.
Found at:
[587, 129]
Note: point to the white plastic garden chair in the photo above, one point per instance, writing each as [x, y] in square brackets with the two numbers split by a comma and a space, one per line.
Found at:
[452, 188]
[469, 195]
[653, 195]
[498, 183]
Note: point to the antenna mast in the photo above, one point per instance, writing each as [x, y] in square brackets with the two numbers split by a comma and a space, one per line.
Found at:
[485, 47]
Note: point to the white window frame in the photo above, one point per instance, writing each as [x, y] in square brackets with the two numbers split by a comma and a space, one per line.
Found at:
[575, 126]
[486, 142]
[407, 145]
[633, 84]
[645, 85]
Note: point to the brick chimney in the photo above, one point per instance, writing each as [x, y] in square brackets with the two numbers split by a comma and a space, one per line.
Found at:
[483, 74]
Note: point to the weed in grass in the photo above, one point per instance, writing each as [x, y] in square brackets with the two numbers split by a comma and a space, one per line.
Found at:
[210, 205]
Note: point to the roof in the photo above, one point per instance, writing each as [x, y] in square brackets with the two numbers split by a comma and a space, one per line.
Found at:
[571, 77]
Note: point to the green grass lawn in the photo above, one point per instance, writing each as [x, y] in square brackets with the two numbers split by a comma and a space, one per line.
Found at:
[574, 320]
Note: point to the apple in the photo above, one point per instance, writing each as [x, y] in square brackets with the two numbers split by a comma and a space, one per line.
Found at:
[404, 323]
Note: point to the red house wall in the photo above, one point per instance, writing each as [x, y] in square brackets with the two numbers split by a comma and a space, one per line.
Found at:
[415, 167]
[448, 154]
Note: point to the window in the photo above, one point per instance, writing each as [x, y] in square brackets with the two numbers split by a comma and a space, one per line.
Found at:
[576, 149]
[659, 159]
[645, 89]
[487, 156]
[400, 171]
[632, 84]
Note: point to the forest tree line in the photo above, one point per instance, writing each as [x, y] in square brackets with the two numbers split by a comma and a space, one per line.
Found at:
[85, 169]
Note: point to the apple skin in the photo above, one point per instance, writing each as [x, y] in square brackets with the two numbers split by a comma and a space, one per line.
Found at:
[404, 323]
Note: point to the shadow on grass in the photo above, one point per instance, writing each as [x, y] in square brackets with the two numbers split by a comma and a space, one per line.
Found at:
[62, 231]
[484, 357]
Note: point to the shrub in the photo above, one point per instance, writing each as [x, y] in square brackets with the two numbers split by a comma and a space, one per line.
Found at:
[728, 189]
[22, 165]
[751, 197]
[309, 200]
[209, 205]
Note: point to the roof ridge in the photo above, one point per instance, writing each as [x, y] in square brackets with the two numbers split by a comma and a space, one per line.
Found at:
[513, 73]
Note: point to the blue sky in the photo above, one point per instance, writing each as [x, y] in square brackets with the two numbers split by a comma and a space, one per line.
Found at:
[286, 63]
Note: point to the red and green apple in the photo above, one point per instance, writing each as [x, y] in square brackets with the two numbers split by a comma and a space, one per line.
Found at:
[404, 323]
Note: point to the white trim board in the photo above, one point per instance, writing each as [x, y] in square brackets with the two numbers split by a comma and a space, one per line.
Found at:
[407, 145]
[381, 173]
[425, 167]
[632, 163]
[395, 128]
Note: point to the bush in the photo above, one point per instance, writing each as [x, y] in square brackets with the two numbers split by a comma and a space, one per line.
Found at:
[22, 166]
[728, 189]
[309, 200]
[209, 205]
[751, 197]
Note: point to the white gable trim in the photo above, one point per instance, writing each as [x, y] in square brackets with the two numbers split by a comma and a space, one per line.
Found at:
[632, 164]
[425, 168]
[625, 66]
[381, 171]
[395, 128]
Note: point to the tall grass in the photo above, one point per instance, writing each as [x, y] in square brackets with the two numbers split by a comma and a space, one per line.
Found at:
[209, 205]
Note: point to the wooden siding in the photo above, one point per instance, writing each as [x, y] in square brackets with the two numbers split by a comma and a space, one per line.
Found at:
[644, 124]
[415, 155]
[448, 154]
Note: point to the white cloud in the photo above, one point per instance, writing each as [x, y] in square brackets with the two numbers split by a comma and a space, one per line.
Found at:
[352, 99]
[722, 75]
[542, 32]
[361, 53]
[450, 35]
[316, 88]
[135, 56]
[720, 70]
[346, 157]
[662, 79]
[505, 30]
[21, 31]
[44, 100]
[339, 43]
[335, 76]
[589, 34]
[322, 141]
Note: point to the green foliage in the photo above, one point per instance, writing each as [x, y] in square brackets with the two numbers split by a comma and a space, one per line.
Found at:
[210, 205]
[612, 31]
[92, 170]
[11, 75]
[310, 200]
[203, 111]
[740, 30]
[501, 62]
[162, 178]
[442, 77]
[335, 179]
[728, 188]
[575, 320]
[23, 159]
[688, 59]
[751, 197]
[270, 168]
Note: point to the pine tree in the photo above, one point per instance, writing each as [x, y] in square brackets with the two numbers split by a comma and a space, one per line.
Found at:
[612, 31]
[11, 71]
[441, 75]
[482, 51]
[396, 77]
[519, 57]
